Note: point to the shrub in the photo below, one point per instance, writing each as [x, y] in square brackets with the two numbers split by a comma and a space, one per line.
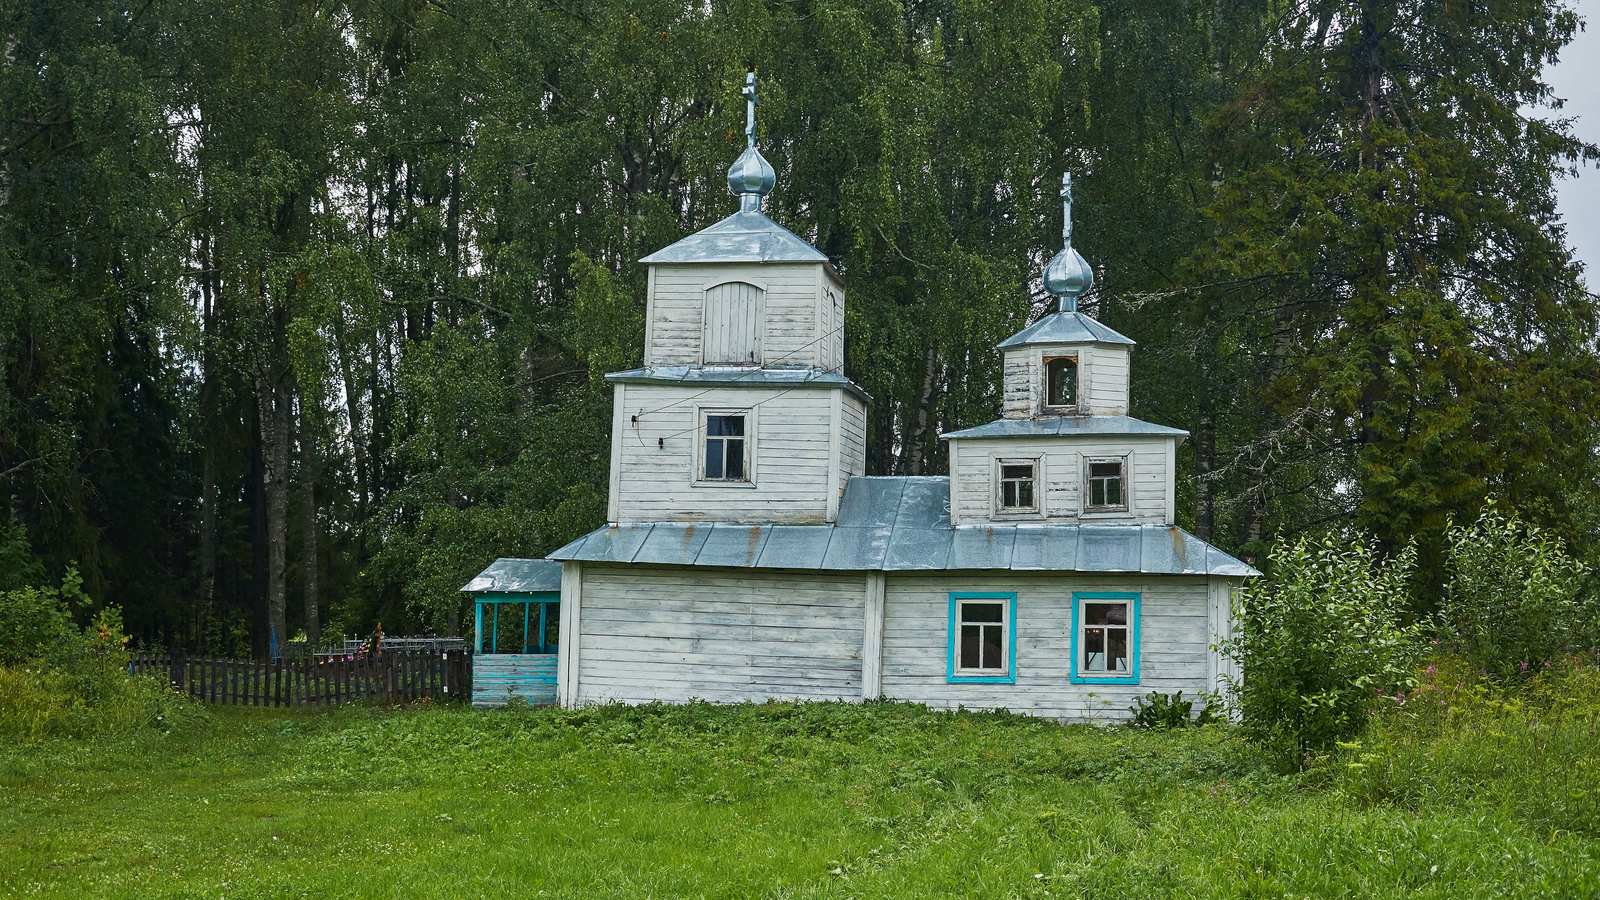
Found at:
[1512, 603]
[1158, 710]
[59, 680]
[1319, 640]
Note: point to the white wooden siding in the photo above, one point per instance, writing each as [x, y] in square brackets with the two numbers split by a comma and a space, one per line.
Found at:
[852, 438]
[676, 309]
[789, 431]
[972, 484]
[1107, 381]
[830, 325]
[1173, 643]
[734, 318]
[658, 633]
[1102, 379]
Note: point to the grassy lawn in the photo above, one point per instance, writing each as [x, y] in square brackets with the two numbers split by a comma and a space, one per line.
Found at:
[785, 801]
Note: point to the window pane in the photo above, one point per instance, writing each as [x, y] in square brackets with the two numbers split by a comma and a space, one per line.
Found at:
[1094, 649]
[1116, 613]
[1016, 471]
[732, 426]
[735, 465]
[969, 646]
[991, 648]
[981, 612]
[1096, 613]
[1114, 492]
[1062, 388]
[1117, 642]
[1025, 495]
[1008, 494]
[1105, 469]
[713, 457]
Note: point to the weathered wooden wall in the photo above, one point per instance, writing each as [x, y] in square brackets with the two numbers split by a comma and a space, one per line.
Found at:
[1102, 380]
[1149, 497]
[1174, 643]
[658, 633]
[793, 454]
[852, 439]
[675, 311]
[497, 677]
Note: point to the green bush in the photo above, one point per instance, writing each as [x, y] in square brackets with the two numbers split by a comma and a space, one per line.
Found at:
[1513, 601]
[1158, 710]
[1525, 748]
[1319, 641]
[59, 680]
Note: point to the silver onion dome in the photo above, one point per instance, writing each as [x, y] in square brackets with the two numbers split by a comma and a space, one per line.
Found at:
[1067, 275]
[751, 177]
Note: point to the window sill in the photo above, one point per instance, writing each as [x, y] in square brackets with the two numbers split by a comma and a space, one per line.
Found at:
[974, 678]
[1093, 679]
[1104, 512]
[716, 483]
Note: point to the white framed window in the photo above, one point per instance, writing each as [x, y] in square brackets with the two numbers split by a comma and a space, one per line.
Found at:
[1105, 484]
[983, 643]
[1060, 384]
[1016, 486]
[724, 448]
[1105, 638]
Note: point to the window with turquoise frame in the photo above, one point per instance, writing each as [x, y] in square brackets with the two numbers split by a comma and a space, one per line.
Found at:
[982, 638]
[518, 623]
[1105, 638]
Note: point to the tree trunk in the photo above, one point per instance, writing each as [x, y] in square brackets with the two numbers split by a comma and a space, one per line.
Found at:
[916, 449]
[272, 403]
[309, 473]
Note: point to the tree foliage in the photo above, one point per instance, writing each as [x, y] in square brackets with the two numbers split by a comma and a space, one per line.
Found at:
[302, 306]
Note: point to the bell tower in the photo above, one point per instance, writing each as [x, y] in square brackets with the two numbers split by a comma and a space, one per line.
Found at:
[741, 412]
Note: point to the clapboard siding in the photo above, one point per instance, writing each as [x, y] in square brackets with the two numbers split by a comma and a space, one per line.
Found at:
[677, 304]
[1174, 643]
[657, 633]
[972, 488]
[830, 326]
[498, 677]
[1102, 380]
[791, 447]
[852, 439]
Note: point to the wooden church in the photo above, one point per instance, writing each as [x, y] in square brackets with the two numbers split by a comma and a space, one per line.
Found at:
[748, 556]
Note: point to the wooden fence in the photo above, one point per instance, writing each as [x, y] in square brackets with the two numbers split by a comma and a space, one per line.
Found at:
[388, 678]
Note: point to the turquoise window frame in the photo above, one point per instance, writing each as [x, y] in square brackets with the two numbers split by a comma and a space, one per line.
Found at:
[546, 602]
[1011, 638]
[1134, 599]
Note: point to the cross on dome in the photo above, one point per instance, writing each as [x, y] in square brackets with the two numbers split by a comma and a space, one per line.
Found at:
[751, 177]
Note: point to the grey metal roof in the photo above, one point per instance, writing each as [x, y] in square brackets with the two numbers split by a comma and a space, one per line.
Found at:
[745, 236]
[517, 576]
[1066, 426]
[718, 376]
[1065, 328]
[903, 525]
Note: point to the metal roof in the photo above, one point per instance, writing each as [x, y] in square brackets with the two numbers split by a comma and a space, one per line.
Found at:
[718, 376]
[746, 236]
[1067, 426]
[903, 525]
[1065, 328]
[517, 576]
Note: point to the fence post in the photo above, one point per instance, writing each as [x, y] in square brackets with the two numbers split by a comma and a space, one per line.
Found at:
[175, 670]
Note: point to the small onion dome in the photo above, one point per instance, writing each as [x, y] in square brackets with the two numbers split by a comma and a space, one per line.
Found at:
[751, 174]
[1068, 276]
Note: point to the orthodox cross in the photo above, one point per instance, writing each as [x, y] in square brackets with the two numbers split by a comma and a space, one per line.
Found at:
[749, 93]
[1066, 210]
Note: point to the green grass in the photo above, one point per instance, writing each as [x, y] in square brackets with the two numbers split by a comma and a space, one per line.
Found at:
[782, 801]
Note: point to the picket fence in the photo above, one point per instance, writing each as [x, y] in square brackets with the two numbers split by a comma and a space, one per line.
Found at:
[391, 677]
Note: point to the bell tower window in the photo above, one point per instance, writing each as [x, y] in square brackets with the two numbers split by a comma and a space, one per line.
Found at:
[735, 315]
[1061, 384]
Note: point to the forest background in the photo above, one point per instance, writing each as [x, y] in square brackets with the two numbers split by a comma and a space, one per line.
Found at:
[304, 304]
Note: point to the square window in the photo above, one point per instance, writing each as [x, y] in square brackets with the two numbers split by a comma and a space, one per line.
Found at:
[1105, 639]
[1061, 383]
[1105, 484]
[725, 453]
[982, 646]
[1018, 485]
